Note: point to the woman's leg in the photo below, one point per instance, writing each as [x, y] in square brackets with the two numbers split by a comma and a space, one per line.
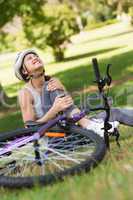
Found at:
[122, 115]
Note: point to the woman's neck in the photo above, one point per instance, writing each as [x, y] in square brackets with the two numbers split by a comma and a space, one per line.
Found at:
[37, 83]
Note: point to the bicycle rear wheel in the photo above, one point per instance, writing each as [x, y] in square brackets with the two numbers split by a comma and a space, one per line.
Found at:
[51, 158]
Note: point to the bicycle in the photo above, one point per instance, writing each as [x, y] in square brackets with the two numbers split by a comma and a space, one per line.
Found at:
[46, 153]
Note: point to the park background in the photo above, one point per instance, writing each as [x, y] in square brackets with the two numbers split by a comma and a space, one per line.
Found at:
[68, 34]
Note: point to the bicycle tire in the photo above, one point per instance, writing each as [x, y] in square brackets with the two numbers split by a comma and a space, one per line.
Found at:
[85, 166]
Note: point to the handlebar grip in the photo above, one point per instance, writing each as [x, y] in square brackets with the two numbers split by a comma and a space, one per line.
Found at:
[96, 69]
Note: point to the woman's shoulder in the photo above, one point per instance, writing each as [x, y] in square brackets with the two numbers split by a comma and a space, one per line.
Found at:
[25, 91]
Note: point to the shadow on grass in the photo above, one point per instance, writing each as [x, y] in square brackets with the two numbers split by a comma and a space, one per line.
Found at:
[79, 77]
[93, 53]
[107, 37]
[82, 76]
[76, 79]
[11, 121]
[9, 104]
[13, 88]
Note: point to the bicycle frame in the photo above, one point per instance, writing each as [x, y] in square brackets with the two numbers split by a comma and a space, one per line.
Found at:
[41, 131]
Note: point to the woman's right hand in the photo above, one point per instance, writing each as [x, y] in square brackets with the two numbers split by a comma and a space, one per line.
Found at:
[62, 103]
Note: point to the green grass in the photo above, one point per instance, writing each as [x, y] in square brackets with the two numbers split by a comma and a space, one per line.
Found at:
[113, 179]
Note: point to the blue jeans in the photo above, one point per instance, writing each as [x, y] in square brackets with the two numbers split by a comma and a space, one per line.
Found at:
[122, 115]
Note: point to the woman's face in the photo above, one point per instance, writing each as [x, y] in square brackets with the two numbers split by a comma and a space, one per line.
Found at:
[32, 63]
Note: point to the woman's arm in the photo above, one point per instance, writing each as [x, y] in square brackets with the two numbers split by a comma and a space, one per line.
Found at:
[54, 85]
[26, 105]
[60, 104]
[27, 110]
[28, 113]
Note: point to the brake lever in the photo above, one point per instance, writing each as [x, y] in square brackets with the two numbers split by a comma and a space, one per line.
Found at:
[108, 77]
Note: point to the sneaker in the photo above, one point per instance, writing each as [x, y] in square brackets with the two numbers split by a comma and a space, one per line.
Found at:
[97, 126]
[114, 124]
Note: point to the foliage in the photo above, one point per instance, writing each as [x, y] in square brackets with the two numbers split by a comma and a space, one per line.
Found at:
[11, 43]
[6, 41]
[54, 28]
[46, 24]
[9, 9]
[131, 14]
[43, 25]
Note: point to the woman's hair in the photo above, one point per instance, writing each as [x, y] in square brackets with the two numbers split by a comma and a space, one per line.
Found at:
[47, 78]
[25, 77]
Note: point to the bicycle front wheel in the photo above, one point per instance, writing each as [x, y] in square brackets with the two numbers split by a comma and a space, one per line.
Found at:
[56, 155]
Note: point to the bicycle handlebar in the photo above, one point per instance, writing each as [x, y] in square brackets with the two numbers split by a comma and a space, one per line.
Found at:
[101, 82]
[96, 70]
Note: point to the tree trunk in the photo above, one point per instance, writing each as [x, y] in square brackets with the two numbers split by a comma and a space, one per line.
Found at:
[78, 18]
[3, 95]
[120, 7]
[59, 54]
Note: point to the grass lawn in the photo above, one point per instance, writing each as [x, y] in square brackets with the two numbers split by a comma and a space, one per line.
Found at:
[113, 179]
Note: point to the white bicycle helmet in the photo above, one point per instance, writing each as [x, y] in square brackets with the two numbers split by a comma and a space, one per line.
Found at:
[19, 63]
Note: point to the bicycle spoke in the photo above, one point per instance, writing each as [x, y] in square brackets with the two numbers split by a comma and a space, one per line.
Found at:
[56, 154]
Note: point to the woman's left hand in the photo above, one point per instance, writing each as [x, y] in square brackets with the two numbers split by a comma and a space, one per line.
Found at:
[55, 84]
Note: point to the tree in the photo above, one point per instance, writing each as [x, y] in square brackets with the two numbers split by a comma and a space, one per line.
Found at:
[62, 27]
[9, 9]
[43, 25]
[120, 6]
[3, 95]
[54, 28]
[52, 23]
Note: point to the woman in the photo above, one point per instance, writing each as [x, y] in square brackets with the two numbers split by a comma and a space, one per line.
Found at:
[38, 100]
[29, 68]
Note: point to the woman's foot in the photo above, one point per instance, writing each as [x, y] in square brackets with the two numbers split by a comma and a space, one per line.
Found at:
[97, 125]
